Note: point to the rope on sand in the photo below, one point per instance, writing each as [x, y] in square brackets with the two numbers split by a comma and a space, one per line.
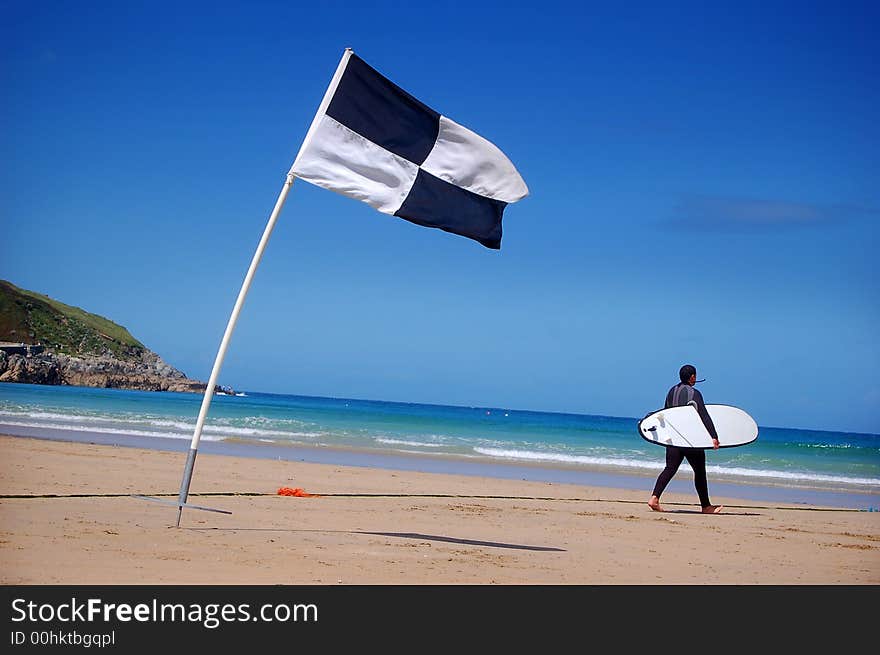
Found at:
[460, 496]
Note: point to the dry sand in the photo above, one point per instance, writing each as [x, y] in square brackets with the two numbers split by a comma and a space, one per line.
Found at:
[380, 527]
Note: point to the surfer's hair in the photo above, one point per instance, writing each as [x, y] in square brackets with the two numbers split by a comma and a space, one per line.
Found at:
[686, 371]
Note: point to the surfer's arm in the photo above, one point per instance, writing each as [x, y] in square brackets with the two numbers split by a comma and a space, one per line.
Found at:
[704, 415]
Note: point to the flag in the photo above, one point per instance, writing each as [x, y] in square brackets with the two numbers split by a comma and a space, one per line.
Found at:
[372, 141]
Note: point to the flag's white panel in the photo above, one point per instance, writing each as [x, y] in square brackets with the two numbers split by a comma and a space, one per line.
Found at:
[466, 159]
[343, 161]
[325, 102]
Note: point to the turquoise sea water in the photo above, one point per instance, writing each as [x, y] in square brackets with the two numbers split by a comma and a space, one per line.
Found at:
[781, 457]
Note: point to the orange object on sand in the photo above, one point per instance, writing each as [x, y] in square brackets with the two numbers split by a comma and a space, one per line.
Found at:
[298, 492]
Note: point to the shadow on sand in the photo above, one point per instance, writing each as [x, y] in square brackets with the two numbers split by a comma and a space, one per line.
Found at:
[402, 535]
[466, 542]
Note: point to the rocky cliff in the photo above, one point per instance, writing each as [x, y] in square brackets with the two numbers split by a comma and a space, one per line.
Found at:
[108, 372]
[76, 348]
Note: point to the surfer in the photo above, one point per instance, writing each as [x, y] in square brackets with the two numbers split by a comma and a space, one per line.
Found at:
[684, 393]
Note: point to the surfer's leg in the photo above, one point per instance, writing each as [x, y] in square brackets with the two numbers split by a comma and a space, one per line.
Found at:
[674, 457]
[697, 460]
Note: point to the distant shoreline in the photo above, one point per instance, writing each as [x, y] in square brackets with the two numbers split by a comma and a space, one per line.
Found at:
[455, 466]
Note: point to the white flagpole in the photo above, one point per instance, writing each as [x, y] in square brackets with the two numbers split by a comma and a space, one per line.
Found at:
[221, 353]
[224, 344]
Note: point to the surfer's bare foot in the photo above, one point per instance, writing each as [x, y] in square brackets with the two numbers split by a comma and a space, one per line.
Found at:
[713, 509]
[654, 504]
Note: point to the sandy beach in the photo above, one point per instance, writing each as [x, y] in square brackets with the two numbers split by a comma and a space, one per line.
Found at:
[67, 516]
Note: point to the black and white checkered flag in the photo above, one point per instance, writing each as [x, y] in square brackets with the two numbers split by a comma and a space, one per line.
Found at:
[373, 141]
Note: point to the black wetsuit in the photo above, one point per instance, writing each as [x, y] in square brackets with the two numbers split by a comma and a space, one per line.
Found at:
[684, 394]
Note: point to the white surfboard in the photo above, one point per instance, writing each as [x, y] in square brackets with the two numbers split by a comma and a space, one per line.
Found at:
[682, 426]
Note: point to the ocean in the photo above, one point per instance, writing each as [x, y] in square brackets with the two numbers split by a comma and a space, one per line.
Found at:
[839, 469]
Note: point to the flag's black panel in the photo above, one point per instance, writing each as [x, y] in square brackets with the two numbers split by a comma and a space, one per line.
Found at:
[376, 108]
[433, 202]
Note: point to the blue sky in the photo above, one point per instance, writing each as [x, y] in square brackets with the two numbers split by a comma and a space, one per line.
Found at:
[704, 177]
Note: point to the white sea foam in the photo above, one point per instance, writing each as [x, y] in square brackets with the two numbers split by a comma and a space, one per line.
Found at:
[404, 442]
[739, 472]
[792, 475]
[255, 433]
[52, 416]
[179, 425]
[104, 430]
[142, 426]
[531, 455]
